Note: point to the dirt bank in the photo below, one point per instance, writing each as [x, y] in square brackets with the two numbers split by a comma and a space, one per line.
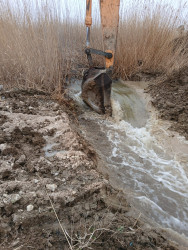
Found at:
[47, 171]
[170, 97]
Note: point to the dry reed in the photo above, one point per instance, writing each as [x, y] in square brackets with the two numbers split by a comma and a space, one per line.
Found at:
[41, 49]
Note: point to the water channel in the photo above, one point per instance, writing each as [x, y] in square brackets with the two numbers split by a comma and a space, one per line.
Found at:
[146, 160]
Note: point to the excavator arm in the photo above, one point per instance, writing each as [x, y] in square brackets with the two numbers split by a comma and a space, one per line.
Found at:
[110, 21]
[96, 84]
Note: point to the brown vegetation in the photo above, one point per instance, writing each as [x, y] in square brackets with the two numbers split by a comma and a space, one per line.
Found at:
[43, 50]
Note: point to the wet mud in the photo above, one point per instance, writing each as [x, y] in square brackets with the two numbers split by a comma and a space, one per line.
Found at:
[170, 97]
[49, 179]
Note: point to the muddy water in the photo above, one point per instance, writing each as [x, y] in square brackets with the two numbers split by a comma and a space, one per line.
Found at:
[143, 158]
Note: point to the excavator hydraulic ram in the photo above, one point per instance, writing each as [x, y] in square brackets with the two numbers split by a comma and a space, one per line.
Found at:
[96, 84]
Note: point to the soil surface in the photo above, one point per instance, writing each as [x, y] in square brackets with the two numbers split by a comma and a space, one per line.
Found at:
[50, 186]
[170, 97]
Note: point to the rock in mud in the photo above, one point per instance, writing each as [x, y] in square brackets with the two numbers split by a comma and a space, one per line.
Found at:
[21, 161]
[14, 198]
[5, 171]
[30, 208]
[51, 187]
[56, 107]
[170, 104]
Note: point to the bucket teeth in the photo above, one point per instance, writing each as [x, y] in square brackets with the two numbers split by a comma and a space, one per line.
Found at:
[96, 90]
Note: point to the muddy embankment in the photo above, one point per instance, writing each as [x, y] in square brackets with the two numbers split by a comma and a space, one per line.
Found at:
[170, 98]
[49, 180]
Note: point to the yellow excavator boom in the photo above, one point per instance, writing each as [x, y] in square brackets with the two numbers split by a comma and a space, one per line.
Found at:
[110, 21]
[96, 84]
[109, 10]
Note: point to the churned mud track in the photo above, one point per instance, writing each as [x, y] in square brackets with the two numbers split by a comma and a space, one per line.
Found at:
[47, 171]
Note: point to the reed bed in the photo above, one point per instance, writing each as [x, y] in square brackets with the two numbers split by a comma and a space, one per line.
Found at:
[42, 47]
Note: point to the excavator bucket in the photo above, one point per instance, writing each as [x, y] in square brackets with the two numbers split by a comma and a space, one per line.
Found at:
[96, 84]
[96, 90]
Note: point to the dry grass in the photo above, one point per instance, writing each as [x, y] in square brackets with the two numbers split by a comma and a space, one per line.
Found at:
[146, 34]
[44, 50]
[35, 52]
